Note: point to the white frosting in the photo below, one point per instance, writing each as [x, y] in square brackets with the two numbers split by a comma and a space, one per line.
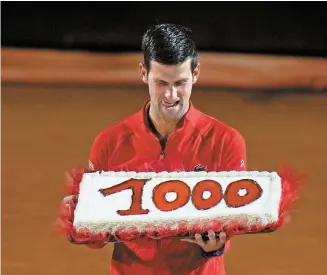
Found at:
[98, 213]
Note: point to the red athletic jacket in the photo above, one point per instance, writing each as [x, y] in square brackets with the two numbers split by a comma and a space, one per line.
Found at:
[131, 144]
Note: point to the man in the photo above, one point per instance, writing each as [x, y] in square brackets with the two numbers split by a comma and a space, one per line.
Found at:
[169, 134]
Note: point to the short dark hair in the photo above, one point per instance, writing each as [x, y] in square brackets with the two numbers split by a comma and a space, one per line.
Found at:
[169, 44]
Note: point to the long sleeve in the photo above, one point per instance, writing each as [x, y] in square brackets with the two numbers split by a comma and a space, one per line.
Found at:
[98, 158]
[234, 158]
[234, 153]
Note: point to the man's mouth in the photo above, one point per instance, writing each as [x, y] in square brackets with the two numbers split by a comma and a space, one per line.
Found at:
[170, 104]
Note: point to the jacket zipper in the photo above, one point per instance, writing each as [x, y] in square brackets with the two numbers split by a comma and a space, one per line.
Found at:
[163, 145]
[162, 151]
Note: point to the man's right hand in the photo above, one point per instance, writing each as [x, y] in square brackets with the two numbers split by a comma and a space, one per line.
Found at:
[69, 204]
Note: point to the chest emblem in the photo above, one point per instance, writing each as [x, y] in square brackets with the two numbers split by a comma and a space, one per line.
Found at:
[199, 168]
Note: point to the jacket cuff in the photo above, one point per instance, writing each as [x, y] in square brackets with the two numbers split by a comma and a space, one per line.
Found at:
[212, 254]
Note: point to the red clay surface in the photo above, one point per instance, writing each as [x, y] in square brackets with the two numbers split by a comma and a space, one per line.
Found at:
[47, 130]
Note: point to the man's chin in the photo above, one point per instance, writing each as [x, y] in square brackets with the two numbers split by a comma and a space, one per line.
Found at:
[171, 118]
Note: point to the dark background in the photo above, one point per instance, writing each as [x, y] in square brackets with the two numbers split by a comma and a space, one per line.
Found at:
[296, 28]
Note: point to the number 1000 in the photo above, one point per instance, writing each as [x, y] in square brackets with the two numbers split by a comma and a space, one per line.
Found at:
[237, 194]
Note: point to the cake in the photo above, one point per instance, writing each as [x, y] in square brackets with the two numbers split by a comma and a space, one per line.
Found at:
[128, 205]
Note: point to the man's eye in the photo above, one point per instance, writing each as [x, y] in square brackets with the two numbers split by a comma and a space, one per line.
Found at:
[180, 83]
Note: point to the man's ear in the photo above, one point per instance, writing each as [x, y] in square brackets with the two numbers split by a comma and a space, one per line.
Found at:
[144, 73]
[196, 73]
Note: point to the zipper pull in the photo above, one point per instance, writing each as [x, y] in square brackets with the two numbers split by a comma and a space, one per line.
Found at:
[162, 154]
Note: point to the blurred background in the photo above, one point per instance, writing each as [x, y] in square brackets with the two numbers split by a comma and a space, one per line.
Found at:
[70, 69]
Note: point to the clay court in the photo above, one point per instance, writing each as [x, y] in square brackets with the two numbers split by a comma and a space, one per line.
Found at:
[50, 115]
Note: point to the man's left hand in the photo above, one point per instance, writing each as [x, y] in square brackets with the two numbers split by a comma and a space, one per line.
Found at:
[213, 244]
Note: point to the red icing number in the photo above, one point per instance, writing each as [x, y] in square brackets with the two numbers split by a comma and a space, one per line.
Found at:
[237, 194]
[137, 191]
[182, 190]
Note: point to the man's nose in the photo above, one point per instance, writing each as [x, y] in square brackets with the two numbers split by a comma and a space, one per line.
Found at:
[171, 93]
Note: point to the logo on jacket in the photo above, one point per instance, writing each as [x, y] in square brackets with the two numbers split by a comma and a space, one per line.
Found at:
[199, 168]
[91, 165]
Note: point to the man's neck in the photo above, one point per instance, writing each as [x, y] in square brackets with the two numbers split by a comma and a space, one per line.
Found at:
[164, 128]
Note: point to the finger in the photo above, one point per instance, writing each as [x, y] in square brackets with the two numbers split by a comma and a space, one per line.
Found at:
[222, 238]
[199, 240]
[212, 238]
[68, 199]
[188, 240]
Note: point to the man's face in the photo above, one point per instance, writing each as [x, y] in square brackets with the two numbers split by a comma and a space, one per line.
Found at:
[170, 88]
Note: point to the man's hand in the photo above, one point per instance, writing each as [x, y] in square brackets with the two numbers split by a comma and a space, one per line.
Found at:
[68, 205]
[212, 244]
